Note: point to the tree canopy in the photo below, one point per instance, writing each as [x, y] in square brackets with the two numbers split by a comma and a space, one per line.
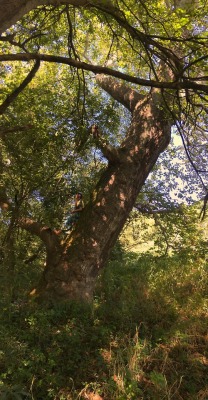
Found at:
[66, 65]
[106, 97]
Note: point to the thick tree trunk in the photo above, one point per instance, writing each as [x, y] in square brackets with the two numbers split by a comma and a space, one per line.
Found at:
[72, 267]
[11, 11]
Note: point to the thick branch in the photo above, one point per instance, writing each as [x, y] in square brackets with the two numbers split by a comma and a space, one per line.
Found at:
[186, 84]
[20, 88]
[119, 91]
[36, 228]
[13, 10]
[109, 151]
[46, 234]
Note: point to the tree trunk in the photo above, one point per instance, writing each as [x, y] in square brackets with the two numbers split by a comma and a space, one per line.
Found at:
[74, 264]
[11, 11]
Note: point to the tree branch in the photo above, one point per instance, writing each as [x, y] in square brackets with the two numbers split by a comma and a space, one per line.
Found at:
[12, 10]
[149, 210]
[20, 88]
[119, 91]
[203, 210]
[5, 131]
[46, 234]
[96, 69]
[110, 152]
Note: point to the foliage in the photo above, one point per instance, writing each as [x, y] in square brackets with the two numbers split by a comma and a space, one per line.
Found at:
[62, 102]
[47, 152]
[144, 337]
[15, 392]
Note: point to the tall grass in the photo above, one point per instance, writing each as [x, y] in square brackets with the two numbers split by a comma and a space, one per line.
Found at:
[144, 337]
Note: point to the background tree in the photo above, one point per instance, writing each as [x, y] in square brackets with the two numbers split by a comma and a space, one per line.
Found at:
[165, 43]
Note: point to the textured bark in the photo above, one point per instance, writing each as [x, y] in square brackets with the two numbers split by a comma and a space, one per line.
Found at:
[11, 11]
[74, 264]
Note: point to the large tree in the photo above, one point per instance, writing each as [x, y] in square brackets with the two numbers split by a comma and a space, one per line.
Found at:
[158, 48]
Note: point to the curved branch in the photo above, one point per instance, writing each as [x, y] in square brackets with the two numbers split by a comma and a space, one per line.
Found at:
[20, 88]
[96, 69]
[119, 91]
[110, 152]
[13, 10]
[46, 234]
[143, 38]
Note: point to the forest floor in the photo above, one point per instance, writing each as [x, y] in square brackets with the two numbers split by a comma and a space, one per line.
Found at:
[144, 337]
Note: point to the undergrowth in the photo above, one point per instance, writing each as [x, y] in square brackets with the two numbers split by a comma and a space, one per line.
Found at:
[144, 337]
